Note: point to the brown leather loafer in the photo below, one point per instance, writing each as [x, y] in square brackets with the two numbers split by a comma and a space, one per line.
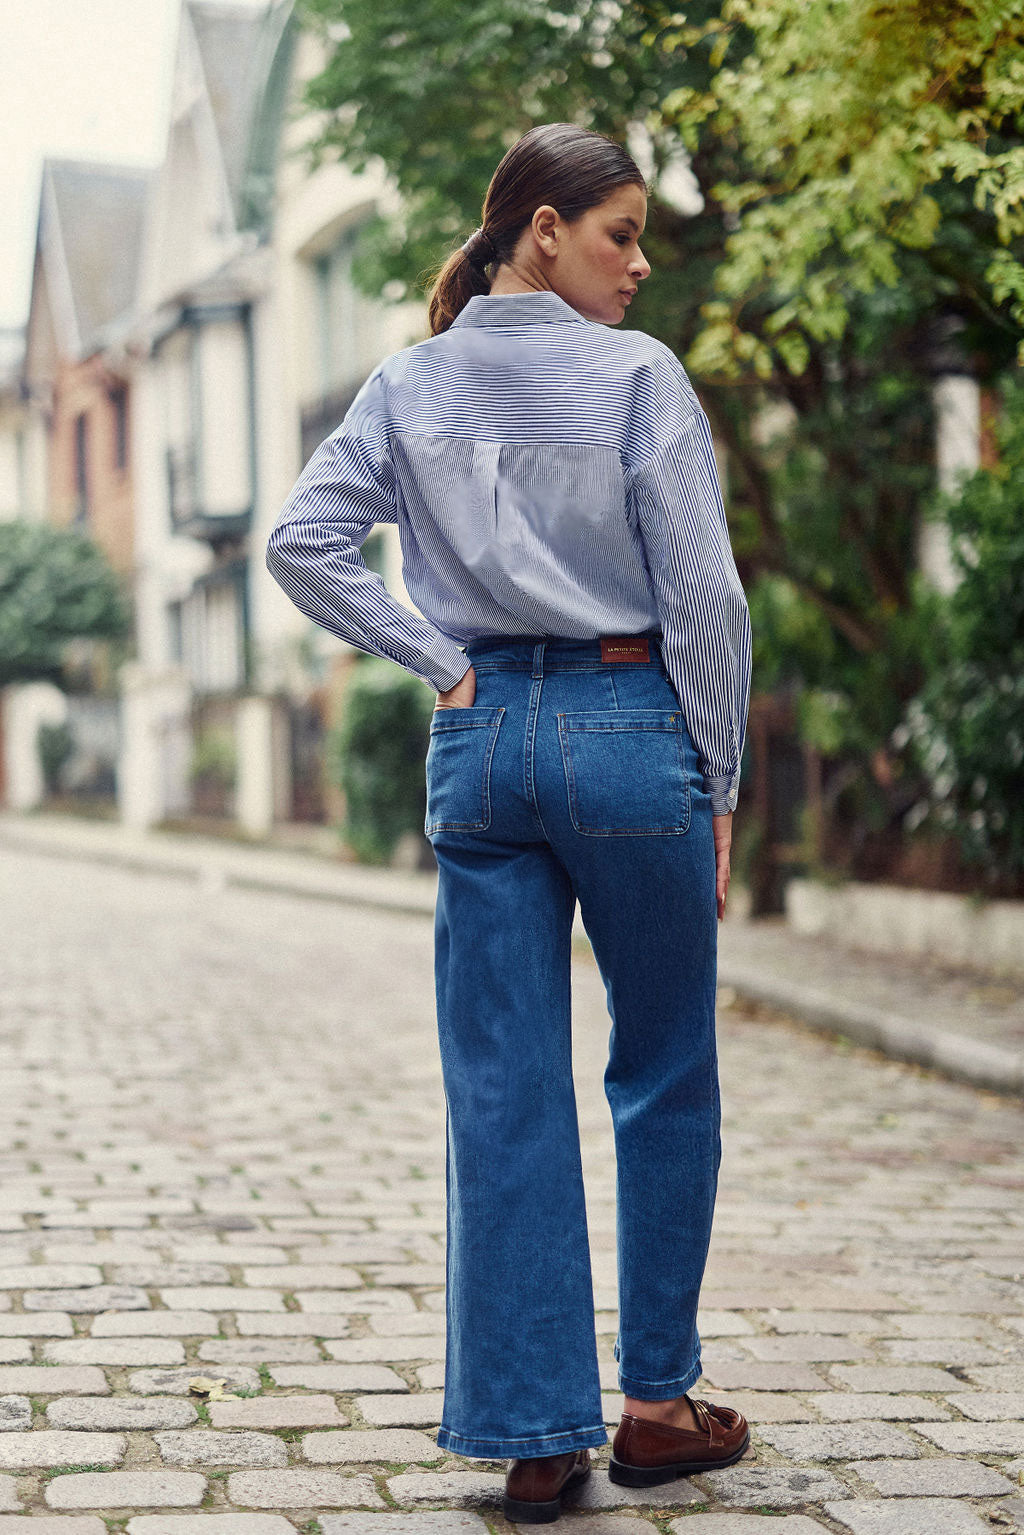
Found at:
[645, 1452]
[534, 1487]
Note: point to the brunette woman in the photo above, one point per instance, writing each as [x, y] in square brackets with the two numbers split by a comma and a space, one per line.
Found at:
[581, 620]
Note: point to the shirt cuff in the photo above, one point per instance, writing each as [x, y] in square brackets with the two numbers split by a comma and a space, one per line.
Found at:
[444, 667]
[724, 793]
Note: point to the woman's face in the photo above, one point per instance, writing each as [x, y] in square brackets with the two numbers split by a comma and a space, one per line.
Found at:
[597, 261]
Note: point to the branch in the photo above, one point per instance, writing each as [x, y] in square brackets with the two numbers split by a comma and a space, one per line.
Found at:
[863, 639]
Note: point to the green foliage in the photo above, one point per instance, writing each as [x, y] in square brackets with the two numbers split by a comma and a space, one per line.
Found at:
[862, 170]
[439, 92]
[55, 744]
[91, 1465]
[826, 533]
[55, 585]
[378, 755]
[967, 723]
[871, 130]
[833, 141]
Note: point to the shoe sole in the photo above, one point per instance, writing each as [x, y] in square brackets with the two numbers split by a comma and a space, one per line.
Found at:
[521, 1512]
[650, 1476]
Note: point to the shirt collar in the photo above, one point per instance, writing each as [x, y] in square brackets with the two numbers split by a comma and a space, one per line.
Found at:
[516, 309]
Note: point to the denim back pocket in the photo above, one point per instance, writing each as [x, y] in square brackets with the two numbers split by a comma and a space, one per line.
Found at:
[625, 771]
[458, 768]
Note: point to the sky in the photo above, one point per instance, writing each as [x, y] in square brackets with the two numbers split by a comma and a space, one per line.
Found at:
[82, 79]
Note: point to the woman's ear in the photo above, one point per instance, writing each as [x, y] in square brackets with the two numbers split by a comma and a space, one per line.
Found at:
[546, 224]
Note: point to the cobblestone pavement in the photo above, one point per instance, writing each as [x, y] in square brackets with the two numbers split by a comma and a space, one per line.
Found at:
[222, 1159]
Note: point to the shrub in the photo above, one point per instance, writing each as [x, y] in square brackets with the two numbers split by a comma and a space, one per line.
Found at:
[213, 758]
[378, 754]
[56, 745]
[55, 585]
[966, 725]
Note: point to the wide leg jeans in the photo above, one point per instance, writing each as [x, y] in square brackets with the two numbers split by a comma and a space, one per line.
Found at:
[569, 778]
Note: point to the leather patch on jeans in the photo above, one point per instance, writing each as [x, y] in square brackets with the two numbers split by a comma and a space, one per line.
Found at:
[625, 649]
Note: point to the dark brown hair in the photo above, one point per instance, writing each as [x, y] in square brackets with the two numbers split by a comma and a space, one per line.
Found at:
[570, 168]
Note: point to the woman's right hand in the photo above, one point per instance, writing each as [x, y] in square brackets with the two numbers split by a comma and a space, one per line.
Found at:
[462, 695]
[722, 827]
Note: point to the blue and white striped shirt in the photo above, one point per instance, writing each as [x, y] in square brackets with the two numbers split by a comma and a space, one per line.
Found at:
[548, 475]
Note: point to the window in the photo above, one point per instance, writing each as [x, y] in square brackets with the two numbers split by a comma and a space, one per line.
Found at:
[119, 403]
[215, 630]
[347, 321]
[81, 511]
[176, 632]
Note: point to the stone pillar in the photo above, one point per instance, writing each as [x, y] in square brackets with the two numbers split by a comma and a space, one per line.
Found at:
[261, 787]
[156, 735]
[26, 706]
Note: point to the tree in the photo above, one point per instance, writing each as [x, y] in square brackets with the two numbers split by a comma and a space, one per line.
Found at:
[55, 586]
[966, 726]
[874, 130]
[439, 92]
[419, 87]
[804, 285]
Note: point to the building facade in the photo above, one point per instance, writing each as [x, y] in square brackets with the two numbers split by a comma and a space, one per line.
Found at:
[67, 449]
[249, 341]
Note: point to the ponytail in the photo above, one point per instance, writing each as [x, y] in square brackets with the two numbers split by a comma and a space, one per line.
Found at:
[462, 275]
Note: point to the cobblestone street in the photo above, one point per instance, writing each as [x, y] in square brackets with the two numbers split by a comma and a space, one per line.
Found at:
[222, 1158]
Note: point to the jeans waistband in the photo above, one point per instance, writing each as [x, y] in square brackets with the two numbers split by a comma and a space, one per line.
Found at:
[555, 653]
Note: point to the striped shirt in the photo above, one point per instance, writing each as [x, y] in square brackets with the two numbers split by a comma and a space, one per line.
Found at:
[549, 475]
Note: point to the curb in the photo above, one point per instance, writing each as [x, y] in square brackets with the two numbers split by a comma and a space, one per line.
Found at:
[214, 864]
[956, 1056]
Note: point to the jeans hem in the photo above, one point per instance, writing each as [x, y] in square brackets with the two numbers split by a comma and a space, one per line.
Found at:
[525, 1448]
[659, 1390]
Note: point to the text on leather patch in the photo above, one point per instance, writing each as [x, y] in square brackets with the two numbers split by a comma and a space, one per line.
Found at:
[625, 650]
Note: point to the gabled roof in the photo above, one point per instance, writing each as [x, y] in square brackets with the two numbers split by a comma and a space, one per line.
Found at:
[213, 193]
[229, 42]
[90, 229]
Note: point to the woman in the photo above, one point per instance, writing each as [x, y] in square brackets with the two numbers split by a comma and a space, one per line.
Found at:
[560, 517]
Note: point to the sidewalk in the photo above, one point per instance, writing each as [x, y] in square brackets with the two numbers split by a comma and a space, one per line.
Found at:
[960, 1023]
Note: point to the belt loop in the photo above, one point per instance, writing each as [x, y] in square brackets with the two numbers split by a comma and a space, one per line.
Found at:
[538, 658]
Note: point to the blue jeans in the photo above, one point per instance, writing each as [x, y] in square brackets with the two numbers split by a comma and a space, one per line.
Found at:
[570, 778]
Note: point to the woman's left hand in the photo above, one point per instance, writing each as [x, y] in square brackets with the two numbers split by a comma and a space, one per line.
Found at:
[461, 696]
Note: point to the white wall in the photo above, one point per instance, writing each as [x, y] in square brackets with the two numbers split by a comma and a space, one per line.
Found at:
[225, 477]
[152, 777]
[25, 707]
[12, 460]
[166, 564]
[311, 212]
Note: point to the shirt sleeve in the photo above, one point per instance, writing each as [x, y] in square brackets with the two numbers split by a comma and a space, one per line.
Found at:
[704, 614]
[347, 486]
